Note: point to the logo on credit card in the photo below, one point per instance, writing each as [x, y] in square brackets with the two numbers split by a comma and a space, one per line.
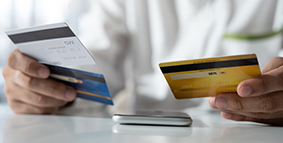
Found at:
[210, 76]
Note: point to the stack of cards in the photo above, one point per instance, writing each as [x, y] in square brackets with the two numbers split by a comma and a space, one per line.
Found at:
[56, 45]
[209, 77]
[91, 86]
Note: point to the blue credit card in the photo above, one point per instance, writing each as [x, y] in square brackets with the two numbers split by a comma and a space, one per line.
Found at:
[90, 86]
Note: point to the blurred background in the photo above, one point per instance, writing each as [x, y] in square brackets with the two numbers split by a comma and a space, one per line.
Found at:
[24, 13]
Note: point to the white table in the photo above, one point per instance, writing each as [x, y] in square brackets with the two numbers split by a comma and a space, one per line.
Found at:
[207, 127]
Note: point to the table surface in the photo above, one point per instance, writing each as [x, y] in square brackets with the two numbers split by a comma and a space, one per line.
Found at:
[206, 127]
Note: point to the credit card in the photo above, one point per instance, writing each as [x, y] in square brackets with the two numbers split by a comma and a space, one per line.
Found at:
[91, 86]
[54, 44]
[209, 76]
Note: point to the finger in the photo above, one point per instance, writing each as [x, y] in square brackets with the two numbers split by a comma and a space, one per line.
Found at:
[22, 108]
[46, 87]
[237, 117]
[268, 103]
[27, 65]
[8, 73]
[273, 64]
[268, 82]
[211, 102]
[260, 115]
[33, 98]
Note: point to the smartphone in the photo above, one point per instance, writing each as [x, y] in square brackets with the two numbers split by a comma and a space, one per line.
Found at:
[166, 118]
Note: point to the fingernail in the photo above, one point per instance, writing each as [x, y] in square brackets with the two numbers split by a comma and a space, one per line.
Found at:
[226, 115]
[221, 103]
[43, 72]
[212, 102]
[70, 94]
[245, 90]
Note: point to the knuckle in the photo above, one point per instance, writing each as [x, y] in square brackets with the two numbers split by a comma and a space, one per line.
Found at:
[262, 85]
[27, 80]
[12, 59]
[56, 89]
[237, 106]
[7, 90]
[30, 66]
[5, 72]
[19, 61]
[27, 66]
[268, 104]
[41, 99]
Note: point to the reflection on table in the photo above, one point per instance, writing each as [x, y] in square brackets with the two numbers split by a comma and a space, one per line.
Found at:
[207, 127]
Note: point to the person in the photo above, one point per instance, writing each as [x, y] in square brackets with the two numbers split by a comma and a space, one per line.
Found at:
[129, 38]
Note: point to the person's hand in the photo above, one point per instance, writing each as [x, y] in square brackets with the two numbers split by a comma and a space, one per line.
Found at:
[28, 88]
[258, 99]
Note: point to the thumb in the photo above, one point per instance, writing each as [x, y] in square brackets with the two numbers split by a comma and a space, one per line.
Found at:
[268, 82]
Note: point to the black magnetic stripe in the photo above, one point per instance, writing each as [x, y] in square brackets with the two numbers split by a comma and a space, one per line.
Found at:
[61, 32]
[73, 73]
[210, 65]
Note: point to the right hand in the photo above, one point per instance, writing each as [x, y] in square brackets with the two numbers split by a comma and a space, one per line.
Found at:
[28, 88]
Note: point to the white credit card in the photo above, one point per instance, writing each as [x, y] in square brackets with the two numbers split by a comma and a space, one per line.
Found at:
[54, 44]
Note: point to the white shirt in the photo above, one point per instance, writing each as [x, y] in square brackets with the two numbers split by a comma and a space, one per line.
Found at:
[129, 38]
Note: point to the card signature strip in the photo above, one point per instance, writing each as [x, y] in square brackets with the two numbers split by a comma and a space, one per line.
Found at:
[92, 94]
[201, 66]
[46, 34]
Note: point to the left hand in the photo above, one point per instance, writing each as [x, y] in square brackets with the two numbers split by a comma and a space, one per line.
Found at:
[258, 99]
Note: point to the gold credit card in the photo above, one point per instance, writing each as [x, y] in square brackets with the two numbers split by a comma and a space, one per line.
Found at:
[210, 76]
